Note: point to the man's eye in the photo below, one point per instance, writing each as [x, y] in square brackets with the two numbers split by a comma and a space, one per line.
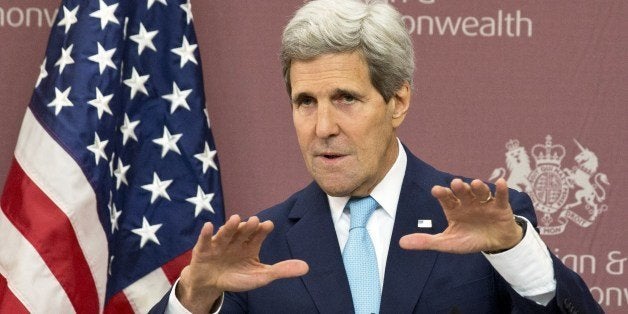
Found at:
[348, 98]
[305, 102]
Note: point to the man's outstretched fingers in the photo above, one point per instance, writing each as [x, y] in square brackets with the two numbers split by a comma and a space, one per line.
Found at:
[480, 190]
[260, 234]
[445, 197]
[226, 232]
[204, 242]
[462, 190]
[245, 230]
[501, 193]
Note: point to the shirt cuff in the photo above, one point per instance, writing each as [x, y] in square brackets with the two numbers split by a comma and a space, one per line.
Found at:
[175, 307]
[527, 267]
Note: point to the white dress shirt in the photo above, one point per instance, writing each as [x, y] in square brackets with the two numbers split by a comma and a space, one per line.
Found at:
[527, 267]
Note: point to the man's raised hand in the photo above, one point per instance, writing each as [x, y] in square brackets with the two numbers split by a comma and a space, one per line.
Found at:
[477, 220]
[229, 261]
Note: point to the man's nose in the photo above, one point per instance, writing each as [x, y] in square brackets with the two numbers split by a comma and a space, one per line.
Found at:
[326, 123]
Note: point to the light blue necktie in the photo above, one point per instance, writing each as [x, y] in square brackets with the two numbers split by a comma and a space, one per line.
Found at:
[359, 258]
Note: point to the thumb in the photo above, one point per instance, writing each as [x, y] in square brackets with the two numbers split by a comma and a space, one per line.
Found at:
[417, 241]
[288, 269]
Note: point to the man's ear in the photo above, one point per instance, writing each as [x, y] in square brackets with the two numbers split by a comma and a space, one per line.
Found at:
[401, 104]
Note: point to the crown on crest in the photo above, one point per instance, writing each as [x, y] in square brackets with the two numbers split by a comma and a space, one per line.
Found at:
[512, 145]
[548, 153]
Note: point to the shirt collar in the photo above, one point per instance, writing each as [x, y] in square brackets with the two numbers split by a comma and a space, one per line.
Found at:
[386, 192]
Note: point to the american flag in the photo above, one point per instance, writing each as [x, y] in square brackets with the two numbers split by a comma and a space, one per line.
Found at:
[115, 169]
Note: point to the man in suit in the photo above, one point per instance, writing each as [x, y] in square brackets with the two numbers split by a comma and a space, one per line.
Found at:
[378, 231]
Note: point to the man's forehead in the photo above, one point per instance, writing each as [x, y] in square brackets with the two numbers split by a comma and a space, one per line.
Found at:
[329, 72]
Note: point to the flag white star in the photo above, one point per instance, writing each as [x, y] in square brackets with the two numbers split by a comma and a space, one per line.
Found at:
[69, 18]
[136, 83]
[144, 39]
[61, 100]
[147, 232]
[186, 52]
[106, 14]
[120, 174]
[103, 58]
[65, 58]
[177, 98]
[201, 201]
[42, 73]
[150, 3]
[187, 7]
[98, 148]
[128, 129]
[101, 103]
[157, 188]
[207, 158]
[168, 142]
[115, 215]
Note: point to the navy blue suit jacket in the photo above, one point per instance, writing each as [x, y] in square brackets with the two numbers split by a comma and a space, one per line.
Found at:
[415, 281]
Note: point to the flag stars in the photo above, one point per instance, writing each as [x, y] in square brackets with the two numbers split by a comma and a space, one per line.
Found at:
[186, 52]
[136, 83]
[128, 129]
[98, 148]
[69, 18]
[65, 58]
[168, 142]
[103, 58]
[201, 201]
[157, 188]
[114, 217]
[106, 14]
[177, 98]
[207, 158]
[187, 8]
[42, 73]
[101, 103]
[120, 174]
[144, 39]
[61, 100]
[150, 3]
[147, 232]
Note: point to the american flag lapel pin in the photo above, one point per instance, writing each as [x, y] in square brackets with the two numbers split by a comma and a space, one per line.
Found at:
[424, 223]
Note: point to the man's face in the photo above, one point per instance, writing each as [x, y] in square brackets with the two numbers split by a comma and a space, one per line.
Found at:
[346, 130]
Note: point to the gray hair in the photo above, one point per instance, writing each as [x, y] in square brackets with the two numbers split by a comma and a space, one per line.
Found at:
[374, 28]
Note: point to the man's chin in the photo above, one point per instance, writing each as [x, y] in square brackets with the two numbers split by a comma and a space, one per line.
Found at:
[335, 189]
[339, 189]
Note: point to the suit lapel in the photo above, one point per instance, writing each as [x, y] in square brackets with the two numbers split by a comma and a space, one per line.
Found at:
[313, 239]
[408, 271]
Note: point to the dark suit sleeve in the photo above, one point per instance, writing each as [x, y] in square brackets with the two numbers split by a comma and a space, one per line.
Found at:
[233, 303]
[572, 294]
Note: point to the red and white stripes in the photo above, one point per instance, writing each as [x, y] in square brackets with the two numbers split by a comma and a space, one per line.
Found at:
[54, 252]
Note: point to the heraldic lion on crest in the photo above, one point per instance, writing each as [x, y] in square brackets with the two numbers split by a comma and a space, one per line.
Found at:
[518, 164]
[591, 193]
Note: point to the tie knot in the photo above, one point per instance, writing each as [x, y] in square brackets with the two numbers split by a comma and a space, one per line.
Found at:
[361, 210]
